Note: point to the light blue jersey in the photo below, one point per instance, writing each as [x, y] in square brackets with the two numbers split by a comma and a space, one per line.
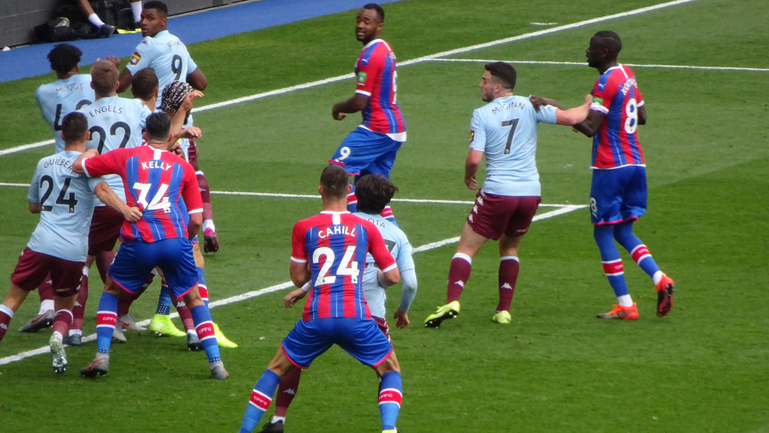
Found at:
[506, 131]
[62, 97]
[400, 248]
[68, 200]
[114, 123]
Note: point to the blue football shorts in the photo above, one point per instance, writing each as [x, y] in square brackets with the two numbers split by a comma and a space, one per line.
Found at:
[135, 260]
[366, 152]
[618, 195]
[361, 338]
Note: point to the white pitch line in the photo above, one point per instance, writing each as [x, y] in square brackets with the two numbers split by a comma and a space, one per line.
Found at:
[271, 289]
[406, 63]
[536, 62]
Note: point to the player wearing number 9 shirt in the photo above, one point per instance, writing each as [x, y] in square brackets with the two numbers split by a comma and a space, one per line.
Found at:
[618, 190]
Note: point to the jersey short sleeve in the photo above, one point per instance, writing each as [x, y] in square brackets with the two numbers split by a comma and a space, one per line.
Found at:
[603, 94]
[298, 247]
[191, 66]
[546, 114]
[369, 67]
[33, 195]
[93, 181]
[191, 191]
[477, 132]
[112, 162]
[141, 57]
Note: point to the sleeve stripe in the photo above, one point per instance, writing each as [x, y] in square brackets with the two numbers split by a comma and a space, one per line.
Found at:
[640, 104]
[293, 259]
[390, 268]
[85, 170]
[363, 92]
[598, 107]
[195, 211]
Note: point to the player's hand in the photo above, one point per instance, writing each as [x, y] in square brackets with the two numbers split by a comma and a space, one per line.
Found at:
[294, 296]
[132, 214]
[537, 101]
[402, 319]
[112, 59]
[191, 132]
[471, 184]
[176, 148]
[336, 114]
[588, 99]
[189, 100]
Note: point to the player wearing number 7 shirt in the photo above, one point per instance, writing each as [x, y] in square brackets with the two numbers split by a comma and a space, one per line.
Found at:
[371, 148]
[618, 190]
[155, 180]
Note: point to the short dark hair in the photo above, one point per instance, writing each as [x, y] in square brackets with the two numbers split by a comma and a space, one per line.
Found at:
[505, 72]
[74, 127]
[64, 58]
[144, 83]
[377, 8]
[158, 126]
[157, 5]
[373, 192]
[334, 180]
[104, 76]
[609, 40]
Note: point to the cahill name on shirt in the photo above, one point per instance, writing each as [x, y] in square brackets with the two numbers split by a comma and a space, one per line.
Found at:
[336, 229]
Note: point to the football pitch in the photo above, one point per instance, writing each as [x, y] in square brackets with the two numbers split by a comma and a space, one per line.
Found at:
[266, 118]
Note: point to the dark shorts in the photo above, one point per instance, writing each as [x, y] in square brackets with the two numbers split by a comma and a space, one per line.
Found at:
[493, 215]
[366, 152]
[361, 338]
[381, 323]
[192, 151]
[33, 268]
[135, 260]
[105, 229]
[618, 195]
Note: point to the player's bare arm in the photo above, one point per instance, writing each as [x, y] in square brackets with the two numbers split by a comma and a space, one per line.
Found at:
[353, 105]
[177, 121]
[108, 197]
[538, 101]
[77, 166]
[124, 80]
[642, 115]
[300, 273]
[574, 115]
[472, 163]
[35, 207]
[590, 125]
[391, 277]
[293, 297]
[196, 222]
[197, 80]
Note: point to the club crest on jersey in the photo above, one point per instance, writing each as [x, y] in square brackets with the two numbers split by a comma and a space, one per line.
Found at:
[361, 77]
[135, 58]
[472, 136]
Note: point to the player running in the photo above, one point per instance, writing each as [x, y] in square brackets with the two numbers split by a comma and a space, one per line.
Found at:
[373, 193]
[505, 130]
[329, 250]
[155, 180]
[372, 146]
[618, 189]
[65, 200]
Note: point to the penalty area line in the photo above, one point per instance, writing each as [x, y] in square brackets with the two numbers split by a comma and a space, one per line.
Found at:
[278, 287]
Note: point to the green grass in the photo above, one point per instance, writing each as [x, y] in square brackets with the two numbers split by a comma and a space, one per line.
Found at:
[555, 368]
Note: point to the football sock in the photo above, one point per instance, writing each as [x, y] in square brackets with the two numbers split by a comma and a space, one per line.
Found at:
[184, 313]
[205, 194]
[508, 274]
[103, 261]
[459, 273]
[623, 233]
[106, 319]
[164, 300]
[612, 263]
[202, 287]
[6, 314]
[205, 329]
[387, 213]
[261, 397]
[390, 396]
[78, 311]
[289, 385]
[95, 20]
[277, 419]
[45, 290]
[136, 7]
[352, 201]
[62, 321]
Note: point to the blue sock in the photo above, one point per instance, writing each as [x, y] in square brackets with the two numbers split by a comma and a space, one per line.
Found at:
[205, 329]
[390, 397]
[612, 263]
[202, 284]
[106, 319]
[623, 233]
[164, 300]
[261, 397]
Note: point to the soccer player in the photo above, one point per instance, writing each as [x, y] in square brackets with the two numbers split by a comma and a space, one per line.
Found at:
[618, 189]
[145, 87]
[505, 130]
[329, 250]
[372, 146]
[155, 180]
[373, 193]
[104, 30]
[64, 200]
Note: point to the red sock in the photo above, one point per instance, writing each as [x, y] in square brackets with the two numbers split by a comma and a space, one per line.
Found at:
[5, 318]
[459, 273]
[45, 289]
[205, 194]
[62, 321]
[508, 274]
[78, 311]
[184, 313]
[287, 389]
[103, 260]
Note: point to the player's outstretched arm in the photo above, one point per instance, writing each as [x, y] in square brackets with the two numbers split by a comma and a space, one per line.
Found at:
[575, 115]
[108, 197]
[357, 103]
[590, 125]
[77, 166]
[124, 80]
[538, 101]
[197, 80]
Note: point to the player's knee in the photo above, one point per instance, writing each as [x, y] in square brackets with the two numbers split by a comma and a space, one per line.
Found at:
[390, 364]
[192, 298]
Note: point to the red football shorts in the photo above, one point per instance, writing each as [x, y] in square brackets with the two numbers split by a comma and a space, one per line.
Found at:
[493, 215]
[105, 229]
[33, 267]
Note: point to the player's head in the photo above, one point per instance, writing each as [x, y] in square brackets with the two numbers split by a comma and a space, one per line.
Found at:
[157, 129]
[144, 84]
[604, 48]
[74, 129]
[498, 79]
[373, 192]
[368, 24]
[104, 78]
[334, 183]
[64, 58]
[154, 18]
[173, 96]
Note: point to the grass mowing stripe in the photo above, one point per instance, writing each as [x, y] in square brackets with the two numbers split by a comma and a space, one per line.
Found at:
[406, 63]
[536, 62]
[275, 288]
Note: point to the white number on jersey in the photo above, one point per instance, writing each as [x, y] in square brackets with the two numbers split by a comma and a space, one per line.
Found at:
[631, 110]
[159, 201]
[346, 267]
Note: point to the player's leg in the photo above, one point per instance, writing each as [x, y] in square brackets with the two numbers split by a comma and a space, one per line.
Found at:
[106, 320]
[193, 342]
[136, 8]
[66, 276]
[161, 323]
[31, 270]
[44, 317]
[74, 336]
[105, 30]
[263, 391]
[13, 300]
[287, 389]
[390, 392]
[210, 240]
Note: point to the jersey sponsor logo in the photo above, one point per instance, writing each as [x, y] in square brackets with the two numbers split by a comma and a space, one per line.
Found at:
[597, 100]
[601, 86]
[361, 77]
[506, 286]
[364, 61]
[290, 391]
[2, 325]
[135, 58]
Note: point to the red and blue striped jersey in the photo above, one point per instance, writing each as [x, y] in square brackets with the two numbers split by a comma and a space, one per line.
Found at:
[335, 245]
[378, 79]
[155, 181]
[616, 95]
